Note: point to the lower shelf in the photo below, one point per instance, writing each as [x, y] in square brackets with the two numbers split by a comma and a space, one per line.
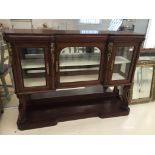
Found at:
[50, 112]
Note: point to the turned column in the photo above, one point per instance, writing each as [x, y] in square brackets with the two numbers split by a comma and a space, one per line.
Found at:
[124, 95]
[22, 109]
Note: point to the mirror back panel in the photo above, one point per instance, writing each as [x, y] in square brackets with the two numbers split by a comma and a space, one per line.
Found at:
[79, 64]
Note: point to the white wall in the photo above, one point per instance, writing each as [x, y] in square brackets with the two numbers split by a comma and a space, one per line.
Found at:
[150, 36]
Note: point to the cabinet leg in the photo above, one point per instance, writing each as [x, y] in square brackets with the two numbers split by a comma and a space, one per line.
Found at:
[116, 90]
[22, 110]
[105, 88]
[124, 97]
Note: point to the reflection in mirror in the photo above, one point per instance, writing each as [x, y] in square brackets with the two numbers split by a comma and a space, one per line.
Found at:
[122, 63]
[79, 64]
[142, 84]
[33, 67]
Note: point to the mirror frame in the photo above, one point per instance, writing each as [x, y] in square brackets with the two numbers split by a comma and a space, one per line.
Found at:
[152, 91]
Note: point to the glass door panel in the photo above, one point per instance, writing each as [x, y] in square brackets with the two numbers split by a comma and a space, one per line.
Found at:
[79, 64]
[122, 63]
[33, 67]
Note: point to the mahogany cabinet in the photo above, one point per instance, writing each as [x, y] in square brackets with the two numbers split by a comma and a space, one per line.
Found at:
[65, 75]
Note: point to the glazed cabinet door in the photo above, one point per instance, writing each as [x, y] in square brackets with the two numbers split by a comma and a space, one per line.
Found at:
[33, 67]
[121, 62]
[79, 64]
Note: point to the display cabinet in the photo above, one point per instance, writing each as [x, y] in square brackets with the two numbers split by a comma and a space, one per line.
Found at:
[65, 75]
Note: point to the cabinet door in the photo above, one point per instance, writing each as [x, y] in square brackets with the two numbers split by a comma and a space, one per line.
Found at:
[122, 63]
[79, 64]
[34, 67]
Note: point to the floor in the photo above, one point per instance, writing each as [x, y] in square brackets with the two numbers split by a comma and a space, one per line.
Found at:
[140, 121]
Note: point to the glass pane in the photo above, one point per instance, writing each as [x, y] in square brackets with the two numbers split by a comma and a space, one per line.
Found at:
[33, 67]
[122, 63]
[79, 64]
[142, 83]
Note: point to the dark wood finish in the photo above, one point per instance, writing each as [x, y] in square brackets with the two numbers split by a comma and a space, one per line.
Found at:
[46, 105]
[52, 112]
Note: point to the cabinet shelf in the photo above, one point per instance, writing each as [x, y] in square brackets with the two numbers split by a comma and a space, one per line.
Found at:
[64, 79]
[78, 63]
[33, 63]
[33, 82]
[121, 60]
[47, 112]
[116, 76]
[36, 71]
[34, 56]
[80, 69]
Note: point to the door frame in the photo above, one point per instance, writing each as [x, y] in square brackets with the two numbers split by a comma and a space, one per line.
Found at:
[62, 45]
[112, 60]
[47, 66]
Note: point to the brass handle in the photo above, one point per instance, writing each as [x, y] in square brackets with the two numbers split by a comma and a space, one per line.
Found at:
[112, 64]
[110, 45]
[109, 55]
[52, 52]
[52, 46]
[47, 69]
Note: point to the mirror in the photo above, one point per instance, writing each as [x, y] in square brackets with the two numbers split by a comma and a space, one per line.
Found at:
[122, 63]
[143, 85]
[79, 64]
[33, 67]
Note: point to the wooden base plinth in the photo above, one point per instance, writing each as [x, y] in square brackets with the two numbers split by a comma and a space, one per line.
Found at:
[43, 113]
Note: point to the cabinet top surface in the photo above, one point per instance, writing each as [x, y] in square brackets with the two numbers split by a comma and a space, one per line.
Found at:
[63, 32]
